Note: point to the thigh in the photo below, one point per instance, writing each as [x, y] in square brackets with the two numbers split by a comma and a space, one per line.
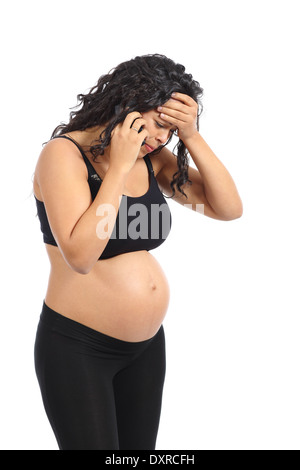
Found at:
[138, 395]
[77, 392]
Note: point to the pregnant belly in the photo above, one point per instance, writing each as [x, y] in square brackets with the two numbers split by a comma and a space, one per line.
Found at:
[126, 297]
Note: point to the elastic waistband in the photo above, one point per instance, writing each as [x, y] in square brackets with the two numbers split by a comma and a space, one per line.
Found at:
[59, 322]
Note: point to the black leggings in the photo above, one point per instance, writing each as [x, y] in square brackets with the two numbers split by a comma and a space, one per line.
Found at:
[99, 392]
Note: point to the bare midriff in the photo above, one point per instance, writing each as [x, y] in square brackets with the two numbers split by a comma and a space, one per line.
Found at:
[125, 297]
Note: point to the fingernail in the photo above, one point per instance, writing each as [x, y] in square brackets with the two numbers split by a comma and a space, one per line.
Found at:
[173, 94]
[159, 108]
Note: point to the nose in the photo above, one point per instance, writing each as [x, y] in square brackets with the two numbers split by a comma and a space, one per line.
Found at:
[162, 136]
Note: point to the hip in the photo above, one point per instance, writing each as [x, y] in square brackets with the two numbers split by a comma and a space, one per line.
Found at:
[65, 348]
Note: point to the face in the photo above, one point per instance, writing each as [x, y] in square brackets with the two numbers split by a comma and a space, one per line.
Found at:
[159, 132]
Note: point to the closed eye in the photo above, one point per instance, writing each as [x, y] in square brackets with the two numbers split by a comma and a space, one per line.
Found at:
[161, 126]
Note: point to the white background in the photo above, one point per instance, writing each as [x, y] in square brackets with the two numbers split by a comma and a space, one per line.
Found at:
[232, 327]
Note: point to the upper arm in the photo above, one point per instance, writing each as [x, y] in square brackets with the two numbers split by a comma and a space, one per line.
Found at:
[195, 192]
[62, 177]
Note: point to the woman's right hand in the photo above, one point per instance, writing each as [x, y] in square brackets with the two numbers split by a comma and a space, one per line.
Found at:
[126, 142]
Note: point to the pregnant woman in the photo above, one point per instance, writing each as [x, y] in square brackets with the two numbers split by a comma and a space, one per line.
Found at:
[98, 185]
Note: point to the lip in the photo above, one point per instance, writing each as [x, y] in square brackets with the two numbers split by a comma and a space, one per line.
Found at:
[149, 148]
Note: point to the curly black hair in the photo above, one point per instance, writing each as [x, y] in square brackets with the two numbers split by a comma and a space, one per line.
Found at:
[140, 84]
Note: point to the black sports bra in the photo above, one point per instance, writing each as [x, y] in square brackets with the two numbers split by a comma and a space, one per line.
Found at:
[142, 223]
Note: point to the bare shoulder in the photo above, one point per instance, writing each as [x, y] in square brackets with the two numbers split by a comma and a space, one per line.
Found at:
[59, 155]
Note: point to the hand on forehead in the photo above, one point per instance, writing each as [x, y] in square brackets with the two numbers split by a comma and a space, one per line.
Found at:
[180, 111]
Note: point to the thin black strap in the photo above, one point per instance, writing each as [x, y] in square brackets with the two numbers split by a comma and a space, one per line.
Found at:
[90, 167]
[72, 140]
[148, 163]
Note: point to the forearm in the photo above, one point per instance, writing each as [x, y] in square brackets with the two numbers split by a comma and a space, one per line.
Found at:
[93, 230]
[219, 187]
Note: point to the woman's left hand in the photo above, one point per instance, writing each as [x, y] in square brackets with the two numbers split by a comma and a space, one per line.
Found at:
[181, 111]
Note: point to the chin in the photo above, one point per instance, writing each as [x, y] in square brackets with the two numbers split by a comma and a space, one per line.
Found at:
[142, 153]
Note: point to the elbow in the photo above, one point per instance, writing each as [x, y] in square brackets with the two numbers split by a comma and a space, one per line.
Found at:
[79, 264]
[80, 260]
[239, 215]
[232, 212]
[81, 270]
[77, 267]
[234, 217]
[239, 210]
[235, 213]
